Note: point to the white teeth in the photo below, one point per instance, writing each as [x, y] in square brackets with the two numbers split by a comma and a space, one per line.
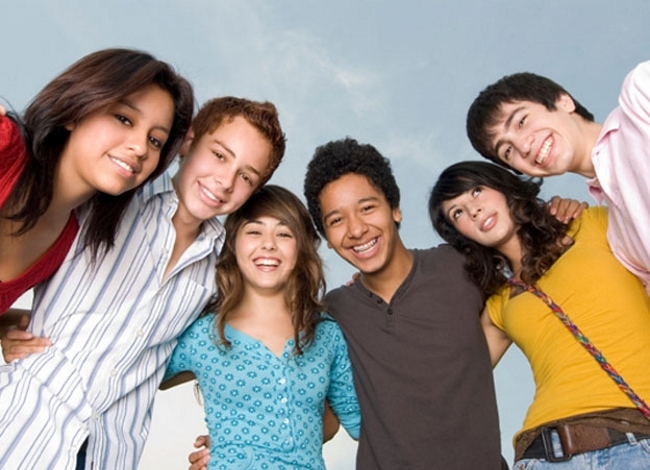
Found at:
[122, 164]
[543, 152]
[209, 194]
[266, 262]
[365, 246]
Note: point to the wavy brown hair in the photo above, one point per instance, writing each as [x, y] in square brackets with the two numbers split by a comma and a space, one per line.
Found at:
[306, 284]
[540, 233]
[90, 84]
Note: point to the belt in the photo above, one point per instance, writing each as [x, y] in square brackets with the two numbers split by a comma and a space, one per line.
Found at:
[575, 439]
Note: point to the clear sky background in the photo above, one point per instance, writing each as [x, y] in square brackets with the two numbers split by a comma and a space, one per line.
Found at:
[399, 75]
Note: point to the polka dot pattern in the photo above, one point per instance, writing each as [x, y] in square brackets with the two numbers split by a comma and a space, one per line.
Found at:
[264, 411]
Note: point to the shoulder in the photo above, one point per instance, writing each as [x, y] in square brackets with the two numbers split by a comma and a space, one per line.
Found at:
[635, 92]
[12, 146]
[594, 218]
[201, 327]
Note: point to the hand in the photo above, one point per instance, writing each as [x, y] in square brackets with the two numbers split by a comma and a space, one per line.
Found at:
[565, 210]
[17, 343]
[200, 458]
[355, 276]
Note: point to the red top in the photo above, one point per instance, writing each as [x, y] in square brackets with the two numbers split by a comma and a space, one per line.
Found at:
[12, 161]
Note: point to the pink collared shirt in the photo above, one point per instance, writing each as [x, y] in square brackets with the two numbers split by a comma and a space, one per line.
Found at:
[621, 160]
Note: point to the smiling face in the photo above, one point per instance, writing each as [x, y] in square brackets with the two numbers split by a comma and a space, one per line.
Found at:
[359, 223]
[539, 142]
[266, 253]
[482, 215]
[221, 171]
[115, 149]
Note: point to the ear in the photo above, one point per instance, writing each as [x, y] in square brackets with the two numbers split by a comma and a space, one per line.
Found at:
[187, 142]
[397, 215]
[70, 126]
[565, 102]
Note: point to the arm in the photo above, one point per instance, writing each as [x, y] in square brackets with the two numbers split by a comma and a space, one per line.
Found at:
[331, 423]
[497, 340]
[180, 378]
[16, 342]
[341, 393]
[565, 210]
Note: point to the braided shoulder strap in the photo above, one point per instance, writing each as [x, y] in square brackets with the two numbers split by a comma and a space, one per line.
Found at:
[588, 345]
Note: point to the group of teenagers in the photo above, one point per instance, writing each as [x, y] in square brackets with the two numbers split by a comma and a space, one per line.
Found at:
[138, 285]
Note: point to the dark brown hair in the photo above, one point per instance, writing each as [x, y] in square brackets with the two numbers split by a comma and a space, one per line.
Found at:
[92, 83]
[540, 233]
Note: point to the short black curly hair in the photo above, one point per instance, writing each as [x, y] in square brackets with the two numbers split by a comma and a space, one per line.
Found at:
[338, 158]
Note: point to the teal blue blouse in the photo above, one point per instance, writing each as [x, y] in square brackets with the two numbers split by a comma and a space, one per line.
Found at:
[263, 411]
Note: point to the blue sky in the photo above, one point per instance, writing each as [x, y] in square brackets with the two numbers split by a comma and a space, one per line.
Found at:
[399, 75]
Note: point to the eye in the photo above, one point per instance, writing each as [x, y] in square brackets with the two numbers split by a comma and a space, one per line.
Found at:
[286, 234]
[476, 191]
[155, 142]
[506, 153]
[247, 179]
[123, 119]
[367, 208]
[333, 221]
[522, 121]
[456, 213]
[219, 155]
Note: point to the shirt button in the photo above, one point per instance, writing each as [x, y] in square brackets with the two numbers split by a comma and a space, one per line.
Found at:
[284, 400]
[139, 332]
[390, 311]
[282, 381]
[96, 416]
[286, 421]
[113, 372]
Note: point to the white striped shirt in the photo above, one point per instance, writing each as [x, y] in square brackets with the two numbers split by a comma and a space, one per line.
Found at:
[113, 328]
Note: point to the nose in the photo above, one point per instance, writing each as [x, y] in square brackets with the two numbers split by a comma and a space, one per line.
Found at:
[356, 227]
[475, 211]
[268, 243]
[226, 179]
[524, 143]
[138, 144]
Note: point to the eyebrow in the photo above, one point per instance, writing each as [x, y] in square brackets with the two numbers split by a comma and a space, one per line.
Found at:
[506, 125]
[126, 102]
[250, 168]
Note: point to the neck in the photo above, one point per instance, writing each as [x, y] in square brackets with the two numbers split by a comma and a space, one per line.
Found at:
[513, 253]
[386, 281]
[585, 165]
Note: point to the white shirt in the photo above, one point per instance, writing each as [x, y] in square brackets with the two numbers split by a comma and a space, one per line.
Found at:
[113, 328]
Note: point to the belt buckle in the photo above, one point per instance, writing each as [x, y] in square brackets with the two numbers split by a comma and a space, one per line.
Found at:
[547, 440]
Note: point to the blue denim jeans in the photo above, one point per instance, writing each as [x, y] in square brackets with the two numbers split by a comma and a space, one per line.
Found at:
[634, 455]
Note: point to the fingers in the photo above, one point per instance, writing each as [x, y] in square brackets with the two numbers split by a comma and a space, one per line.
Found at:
[199, 459]
[13, 349]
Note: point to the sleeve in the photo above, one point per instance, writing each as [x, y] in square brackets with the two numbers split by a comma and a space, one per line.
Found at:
[185, 350]
[495, 306]
[341, 394]
[12, 153]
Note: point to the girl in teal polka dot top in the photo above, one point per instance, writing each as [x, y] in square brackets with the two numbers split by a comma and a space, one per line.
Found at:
[267, 360]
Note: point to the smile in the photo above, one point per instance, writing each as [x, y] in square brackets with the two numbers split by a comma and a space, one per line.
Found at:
[266, 262]
[544, 151]
[209, 194]
[122, 164]
[488, 223]
[365, 247]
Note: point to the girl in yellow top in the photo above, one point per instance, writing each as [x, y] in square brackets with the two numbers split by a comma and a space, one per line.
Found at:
[579, 418]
